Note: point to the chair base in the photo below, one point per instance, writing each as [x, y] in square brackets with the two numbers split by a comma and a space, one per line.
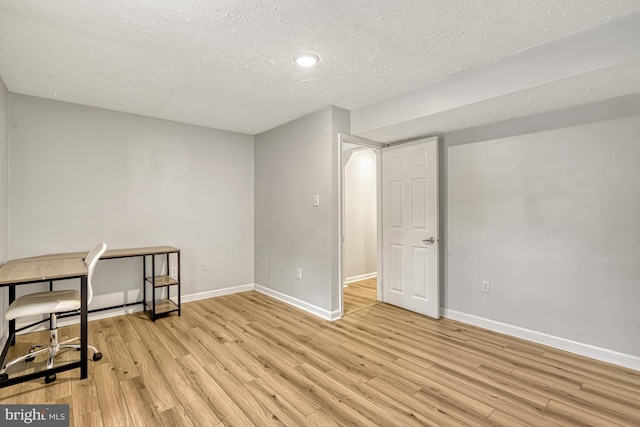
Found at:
[52, 349]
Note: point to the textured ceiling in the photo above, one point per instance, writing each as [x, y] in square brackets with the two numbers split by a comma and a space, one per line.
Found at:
[228, 64]
[602, 84]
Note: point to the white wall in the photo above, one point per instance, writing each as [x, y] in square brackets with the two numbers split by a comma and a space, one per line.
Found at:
[4, 197]
[360, 206]
[551, 219]
[294, 162]
[81, 175]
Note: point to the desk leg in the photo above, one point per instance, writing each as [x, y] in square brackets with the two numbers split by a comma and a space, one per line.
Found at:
[84, 333]
[144, 283]
[179, 285]
[12, 323]
[153, 287]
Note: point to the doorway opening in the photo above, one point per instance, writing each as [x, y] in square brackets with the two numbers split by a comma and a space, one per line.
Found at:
[398, 193]
[360, 227]
[361, 232]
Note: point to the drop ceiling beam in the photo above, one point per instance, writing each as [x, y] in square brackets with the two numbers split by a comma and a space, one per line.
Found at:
[607, 46]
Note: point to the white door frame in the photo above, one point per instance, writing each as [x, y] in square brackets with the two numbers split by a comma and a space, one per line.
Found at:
[377, 147]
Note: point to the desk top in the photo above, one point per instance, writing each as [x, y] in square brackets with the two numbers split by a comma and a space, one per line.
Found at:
[129, 252]
[41, 270]
[109, 254]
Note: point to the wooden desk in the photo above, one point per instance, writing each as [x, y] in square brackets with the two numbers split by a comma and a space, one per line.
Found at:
[26, 272]
[108, 254]
[155, 308]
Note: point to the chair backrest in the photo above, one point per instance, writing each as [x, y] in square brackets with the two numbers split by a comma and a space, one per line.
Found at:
[90, 261]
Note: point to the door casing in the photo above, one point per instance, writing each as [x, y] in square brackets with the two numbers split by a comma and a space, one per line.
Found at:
[377, 147]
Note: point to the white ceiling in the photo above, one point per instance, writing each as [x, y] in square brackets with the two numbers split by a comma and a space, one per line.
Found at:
[228, 64]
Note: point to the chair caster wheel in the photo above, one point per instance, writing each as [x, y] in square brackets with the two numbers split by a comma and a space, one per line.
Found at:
[97, 356]
[49, 378]
[4, 377]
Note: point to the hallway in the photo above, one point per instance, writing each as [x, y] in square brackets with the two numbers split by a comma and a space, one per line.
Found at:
[360, 294]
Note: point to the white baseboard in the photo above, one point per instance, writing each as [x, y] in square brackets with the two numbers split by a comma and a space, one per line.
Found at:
[315, 310]
[320, 312]
[137, 308]
[598, 353]
[75, 320]
[360, 277]
[217, 292]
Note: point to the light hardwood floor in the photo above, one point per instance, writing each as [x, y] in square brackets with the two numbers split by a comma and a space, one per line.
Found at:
[360, 294]
[247, 359]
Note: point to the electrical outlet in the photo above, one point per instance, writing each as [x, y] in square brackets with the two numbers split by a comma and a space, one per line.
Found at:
[299, 273]
[486, 286]
[174, 272]
[316, 200]
[206, 265]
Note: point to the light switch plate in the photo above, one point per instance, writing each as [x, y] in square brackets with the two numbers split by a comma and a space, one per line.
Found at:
[486, 286]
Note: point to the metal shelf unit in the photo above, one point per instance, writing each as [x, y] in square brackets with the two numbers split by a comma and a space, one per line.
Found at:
[163, 284]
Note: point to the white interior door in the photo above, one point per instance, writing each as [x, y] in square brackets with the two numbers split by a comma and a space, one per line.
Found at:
[410, 226]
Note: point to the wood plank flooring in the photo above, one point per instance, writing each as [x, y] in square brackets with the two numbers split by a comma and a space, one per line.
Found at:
[247, 359]
[360, 294]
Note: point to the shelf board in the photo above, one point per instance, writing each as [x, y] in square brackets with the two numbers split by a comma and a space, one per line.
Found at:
[164, 306]
[163, 281]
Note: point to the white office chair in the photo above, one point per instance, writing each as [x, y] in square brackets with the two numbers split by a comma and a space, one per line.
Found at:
[53, 302]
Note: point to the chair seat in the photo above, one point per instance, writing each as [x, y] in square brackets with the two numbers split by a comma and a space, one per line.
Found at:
[43, 303]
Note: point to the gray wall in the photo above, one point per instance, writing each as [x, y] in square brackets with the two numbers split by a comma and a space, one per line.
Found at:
[293, 162]
[81, 175]
[360, 214]
[4, 187]
[551, 219]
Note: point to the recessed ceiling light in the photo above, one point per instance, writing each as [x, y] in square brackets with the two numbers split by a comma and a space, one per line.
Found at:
[306, 59]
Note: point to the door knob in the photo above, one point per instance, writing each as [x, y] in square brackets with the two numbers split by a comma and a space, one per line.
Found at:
[429, 241]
